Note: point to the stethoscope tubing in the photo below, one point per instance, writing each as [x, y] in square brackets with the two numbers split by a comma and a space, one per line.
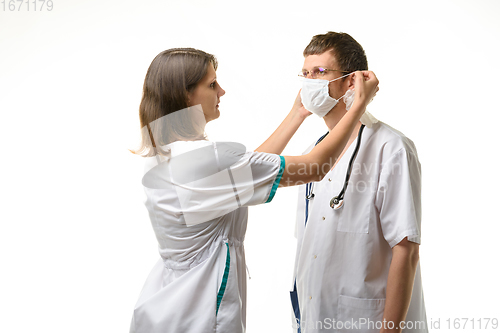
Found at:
[337, 201]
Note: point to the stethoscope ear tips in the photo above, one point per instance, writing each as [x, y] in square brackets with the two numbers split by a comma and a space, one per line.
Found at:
[335, 203]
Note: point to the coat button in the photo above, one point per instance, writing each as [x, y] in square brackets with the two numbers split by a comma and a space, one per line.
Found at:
[315, 256]
[323, 218]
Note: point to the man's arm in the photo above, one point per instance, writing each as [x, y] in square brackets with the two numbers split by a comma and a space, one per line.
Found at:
[400, 284]
[282, 135]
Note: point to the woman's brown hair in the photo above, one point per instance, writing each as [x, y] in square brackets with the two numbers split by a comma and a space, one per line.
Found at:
[172, 75]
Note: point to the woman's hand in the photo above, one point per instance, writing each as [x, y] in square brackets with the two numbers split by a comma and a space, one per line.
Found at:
[366, 87]
[282, 135]
[299, 109]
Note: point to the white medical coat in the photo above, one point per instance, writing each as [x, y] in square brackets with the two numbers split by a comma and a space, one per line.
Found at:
[197, 202]
[343, 256]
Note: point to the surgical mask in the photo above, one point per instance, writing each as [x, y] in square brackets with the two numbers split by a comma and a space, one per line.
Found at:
[348, 98]
[316, 97]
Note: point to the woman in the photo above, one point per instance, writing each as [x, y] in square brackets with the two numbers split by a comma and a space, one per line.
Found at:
[198, 192]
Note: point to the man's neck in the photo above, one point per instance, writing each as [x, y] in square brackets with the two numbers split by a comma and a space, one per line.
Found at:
[333, 117]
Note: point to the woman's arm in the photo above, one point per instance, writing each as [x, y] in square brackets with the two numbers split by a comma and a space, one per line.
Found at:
[316, 164]
[282, 135]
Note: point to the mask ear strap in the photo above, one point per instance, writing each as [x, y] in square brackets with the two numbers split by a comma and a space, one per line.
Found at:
[340, 77]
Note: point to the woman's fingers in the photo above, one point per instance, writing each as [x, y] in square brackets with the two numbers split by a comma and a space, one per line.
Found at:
[298, 99]
[299, 107]
[366, 85]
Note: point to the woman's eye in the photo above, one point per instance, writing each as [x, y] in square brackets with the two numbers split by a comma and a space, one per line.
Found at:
[212, 85]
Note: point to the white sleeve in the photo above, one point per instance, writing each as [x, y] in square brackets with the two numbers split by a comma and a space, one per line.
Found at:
[215, 180]
[398, 198]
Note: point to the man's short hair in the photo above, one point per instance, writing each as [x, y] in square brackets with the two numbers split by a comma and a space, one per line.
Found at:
[348, 52]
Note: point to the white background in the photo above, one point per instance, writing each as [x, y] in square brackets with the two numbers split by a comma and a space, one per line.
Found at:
[76, 243]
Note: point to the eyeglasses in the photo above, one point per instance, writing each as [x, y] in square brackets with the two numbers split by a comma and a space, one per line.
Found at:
[318, 72]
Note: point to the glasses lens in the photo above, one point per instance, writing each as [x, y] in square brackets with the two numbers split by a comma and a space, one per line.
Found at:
[320, 71]
[315, 73]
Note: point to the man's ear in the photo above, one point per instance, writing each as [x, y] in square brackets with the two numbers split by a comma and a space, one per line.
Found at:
[351, 81]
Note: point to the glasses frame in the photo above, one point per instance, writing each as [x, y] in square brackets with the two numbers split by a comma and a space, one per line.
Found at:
[301, 74]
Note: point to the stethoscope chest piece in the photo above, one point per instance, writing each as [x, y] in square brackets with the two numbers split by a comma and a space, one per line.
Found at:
[335, 203]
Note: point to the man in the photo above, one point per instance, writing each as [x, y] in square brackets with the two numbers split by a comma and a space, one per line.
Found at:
[357, 264]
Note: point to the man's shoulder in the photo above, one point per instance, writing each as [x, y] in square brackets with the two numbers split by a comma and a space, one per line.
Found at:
[391, 140]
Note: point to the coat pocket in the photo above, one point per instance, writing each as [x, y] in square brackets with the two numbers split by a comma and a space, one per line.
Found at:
[225, 277]
[360, 314]
[229, 314]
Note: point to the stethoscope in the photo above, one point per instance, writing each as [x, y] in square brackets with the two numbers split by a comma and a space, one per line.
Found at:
[338, 201]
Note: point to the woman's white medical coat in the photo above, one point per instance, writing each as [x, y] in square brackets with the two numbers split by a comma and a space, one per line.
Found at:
[197, 200]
